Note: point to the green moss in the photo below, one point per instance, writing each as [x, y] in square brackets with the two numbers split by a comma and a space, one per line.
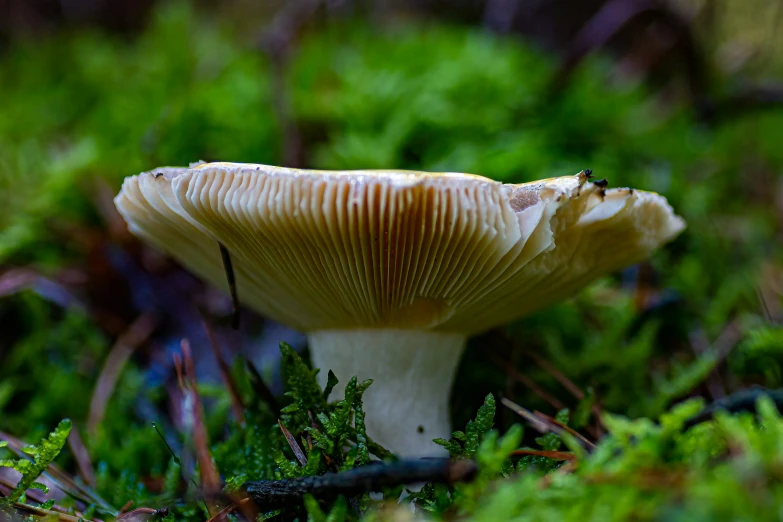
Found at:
[42, 454]
[89, 106]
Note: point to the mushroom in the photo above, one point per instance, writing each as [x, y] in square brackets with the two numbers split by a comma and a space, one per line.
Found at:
[388, 272]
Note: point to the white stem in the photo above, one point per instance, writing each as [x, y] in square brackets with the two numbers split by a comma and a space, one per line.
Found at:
[412, 370]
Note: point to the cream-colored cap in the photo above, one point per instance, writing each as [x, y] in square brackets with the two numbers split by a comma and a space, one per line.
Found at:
[322, 250]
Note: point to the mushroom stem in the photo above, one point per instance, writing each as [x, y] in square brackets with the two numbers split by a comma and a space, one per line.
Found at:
[412, 370]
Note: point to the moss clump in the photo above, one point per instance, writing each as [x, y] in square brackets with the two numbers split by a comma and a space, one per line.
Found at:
[41, 455]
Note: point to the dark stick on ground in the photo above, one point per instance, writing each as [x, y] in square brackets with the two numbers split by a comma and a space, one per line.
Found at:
[271, 494]
[232, 285]
[743, 400]
[237, 405]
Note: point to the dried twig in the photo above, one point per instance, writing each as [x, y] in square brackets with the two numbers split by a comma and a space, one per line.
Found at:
[550, 368]
[557, 374]
[281, 493]
[16, 280]
[526, 381]
[720, 349]
[586, 443]
[210, 479]
[138, 332]
[546, 424]
[82, 457]
[124, 509]
[137, 514]
[556, 455]
[237, 405]
[222, 514]
[65, 517]
[569, 385]
[538, 425]
[300, 456]
[19, 279]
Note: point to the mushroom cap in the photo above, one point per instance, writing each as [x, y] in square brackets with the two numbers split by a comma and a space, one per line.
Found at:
[322, 250]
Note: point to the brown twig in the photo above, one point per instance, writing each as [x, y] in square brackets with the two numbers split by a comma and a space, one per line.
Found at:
[222, 514]
[82, 457]
[237, 405]
[557, 374]
[720, 349]
[546, 424]
[538, 425]
[300, 456]
[510, 369]
[65, 517]
[126, 507]
[210, 478]
[569, 385]
[138, 332]
[526, 381]
[137, 514]
[556, 455]
[586, 443]
[16, 280]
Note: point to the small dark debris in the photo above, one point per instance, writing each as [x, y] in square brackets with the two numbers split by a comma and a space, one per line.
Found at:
[601, 183]
[588, 173]
[420, 429]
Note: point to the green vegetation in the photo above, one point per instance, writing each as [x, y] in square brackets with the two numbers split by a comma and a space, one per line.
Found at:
[43, 454]
[630, 353]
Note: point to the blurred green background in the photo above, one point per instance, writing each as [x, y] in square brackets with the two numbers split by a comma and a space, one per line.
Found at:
[683, 98]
